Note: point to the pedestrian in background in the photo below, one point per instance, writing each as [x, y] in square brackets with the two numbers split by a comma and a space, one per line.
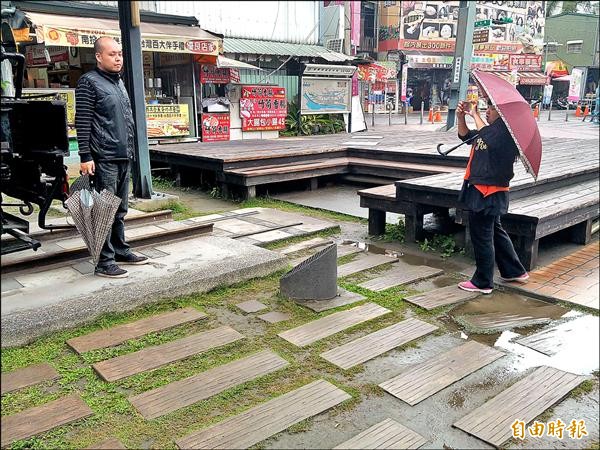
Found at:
[105, 127]
[485, 195]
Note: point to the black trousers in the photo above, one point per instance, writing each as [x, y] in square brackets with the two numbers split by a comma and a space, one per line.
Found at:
[491, 243]
[114, 177]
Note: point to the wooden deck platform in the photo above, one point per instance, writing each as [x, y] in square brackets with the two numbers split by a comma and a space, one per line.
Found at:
[566, 190]
[244, 165]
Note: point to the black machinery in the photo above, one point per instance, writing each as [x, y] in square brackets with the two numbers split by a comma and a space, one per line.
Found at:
[34, 142]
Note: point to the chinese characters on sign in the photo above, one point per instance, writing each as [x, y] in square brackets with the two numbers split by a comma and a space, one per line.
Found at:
[525, 62]
[263, 108]
[167, 120]
[210, 73]
[215, 127]
[555, 428]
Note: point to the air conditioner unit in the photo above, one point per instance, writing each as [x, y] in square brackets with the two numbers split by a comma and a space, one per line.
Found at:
[335, 45]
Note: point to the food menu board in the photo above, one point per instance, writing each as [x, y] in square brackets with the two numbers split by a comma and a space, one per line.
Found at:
[263, 108]
[215, 127]
[167, 120]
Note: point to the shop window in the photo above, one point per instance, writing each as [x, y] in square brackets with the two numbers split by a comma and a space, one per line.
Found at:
[574, 46]
[551, 47]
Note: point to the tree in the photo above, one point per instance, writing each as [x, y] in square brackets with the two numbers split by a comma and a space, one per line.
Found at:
[556, 7]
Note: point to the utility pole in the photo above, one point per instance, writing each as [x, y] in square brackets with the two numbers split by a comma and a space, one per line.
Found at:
[347, 28]
[462, 58]
[129, 22]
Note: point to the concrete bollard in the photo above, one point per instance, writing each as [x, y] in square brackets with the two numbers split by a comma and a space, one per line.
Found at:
[550, 111]
[422, 108]
[567, 113]
[405, 113]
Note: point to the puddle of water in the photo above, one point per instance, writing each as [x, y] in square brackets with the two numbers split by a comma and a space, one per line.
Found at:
[375, 249]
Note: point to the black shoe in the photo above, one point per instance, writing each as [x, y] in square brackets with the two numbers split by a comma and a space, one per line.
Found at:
[132, 259]
[112, 271]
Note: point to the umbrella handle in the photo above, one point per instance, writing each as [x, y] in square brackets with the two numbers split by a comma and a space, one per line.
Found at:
[445, 153]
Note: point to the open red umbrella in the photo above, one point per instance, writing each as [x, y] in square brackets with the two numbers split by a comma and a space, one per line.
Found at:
[516, 114]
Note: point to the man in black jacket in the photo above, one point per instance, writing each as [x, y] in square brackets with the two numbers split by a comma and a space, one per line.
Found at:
[485, 195]
[105, 129]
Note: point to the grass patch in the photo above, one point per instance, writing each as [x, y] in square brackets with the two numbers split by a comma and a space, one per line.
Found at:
[294, 240]
[268, 202]
[584, 388]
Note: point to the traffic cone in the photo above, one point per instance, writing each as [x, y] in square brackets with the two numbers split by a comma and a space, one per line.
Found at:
[586, 111]
[438, 116]
[578, 110]
[430, 119]
[536, 111]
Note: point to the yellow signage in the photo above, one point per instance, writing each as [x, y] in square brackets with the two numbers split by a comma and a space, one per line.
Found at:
[66, 95]
[159, 43]
[167, 120]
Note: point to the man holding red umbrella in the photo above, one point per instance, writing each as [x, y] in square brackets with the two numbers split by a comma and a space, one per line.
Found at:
[485, 194]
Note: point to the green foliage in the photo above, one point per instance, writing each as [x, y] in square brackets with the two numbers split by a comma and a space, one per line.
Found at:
[307, 125]
[161, 183]
[441, 243]
[395, 232]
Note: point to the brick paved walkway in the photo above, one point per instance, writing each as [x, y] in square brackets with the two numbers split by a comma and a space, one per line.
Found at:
[571, 279]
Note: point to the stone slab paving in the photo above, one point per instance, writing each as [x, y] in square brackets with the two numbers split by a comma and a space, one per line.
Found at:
[441, 297]
[524, 401]
[498, 321]
[344, 250]
[423, 380]
[27, 376]
[377, 343]
[573, 279]
[344, 297]
[387, 434]
[400, 275]
[304, 245]
[154, 357]
[275, 317]
[569, 335]
[269, 418]
[108, 444]
[334, 323]
[121, 333]
[365, 262]
[186, 392]
[37, 420]
[251, 306]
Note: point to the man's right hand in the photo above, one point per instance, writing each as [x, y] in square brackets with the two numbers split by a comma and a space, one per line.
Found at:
[87, 168]
[460, 110]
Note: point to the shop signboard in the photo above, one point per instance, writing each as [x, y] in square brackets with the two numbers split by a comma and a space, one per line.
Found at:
[430, 61]
[66, 95]
[326, 95]
[263, 108]
[37, 56]
[494, 47]
[404, 82]
[490, 61]
[209, 73]
[86, 38]
[575, 84]
[481, 35]
[215, 127]
[525, 62]
[380, 71]
[167, 120]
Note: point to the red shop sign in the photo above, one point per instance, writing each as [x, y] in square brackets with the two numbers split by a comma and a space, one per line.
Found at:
[215, 127]
[525, 62]
[201, 47]
[263, 108]
[212, 74]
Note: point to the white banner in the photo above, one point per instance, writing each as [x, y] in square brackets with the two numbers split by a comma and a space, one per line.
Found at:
[575, 85]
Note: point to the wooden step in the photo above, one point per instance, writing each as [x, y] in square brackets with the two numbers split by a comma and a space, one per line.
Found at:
[263, 421]
[160, 355]
[425, 379]
[400, 275]
[524, 401]
[334, 323]
[375, 344]
[288, 168]
[37, 420]
[441, 297]
[499, 321]
[304, 245]
[387, 434]
[27, 376]
[121, 333]
[186, 392]
[366, 262]
[345, 250]
[425, 168]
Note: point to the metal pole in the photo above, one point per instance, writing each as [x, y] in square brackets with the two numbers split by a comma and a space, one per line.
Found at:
[462, 58]
[129, 22]
[567, 113]
[389, 116]
[550, 110]
[405, 107]
[422, 108]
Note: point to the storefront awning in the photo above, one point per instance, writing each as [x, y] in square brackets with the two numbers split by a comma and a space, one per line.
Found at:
[83, 31]
[228, 63]
[526, 78]
[257, 47]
